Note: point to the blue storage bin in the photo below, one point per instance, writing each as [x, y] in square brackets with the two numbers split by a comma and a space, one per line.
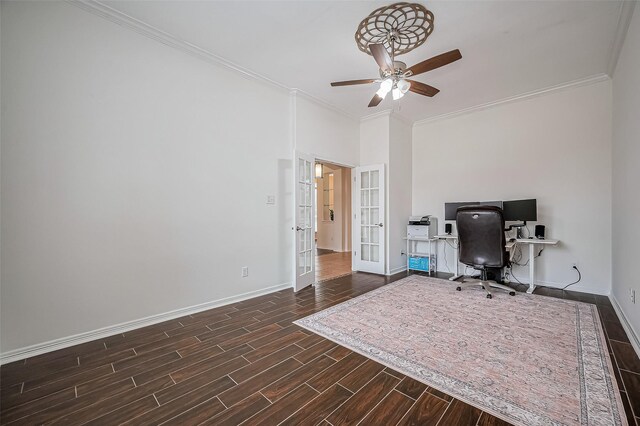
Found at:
[419, 263]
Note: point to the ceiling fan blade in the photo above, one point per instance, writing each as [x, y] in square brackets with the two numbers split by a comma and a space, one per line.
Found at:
[422, 89]
[433, 63]
[381, 56]
[352, 82]
[375, 101]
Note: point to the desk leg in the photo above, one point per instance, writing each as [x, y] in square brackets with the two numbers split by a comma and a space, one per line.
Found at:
[430, 266]
[532, 268]
[457, 276]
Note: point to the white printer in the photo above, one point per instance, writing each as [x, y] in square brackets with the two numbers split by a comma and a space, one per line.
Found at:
[422, 226]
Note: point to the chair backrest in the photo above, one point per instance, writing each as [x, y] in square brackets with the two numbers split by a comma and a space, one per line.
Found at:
[481, 239]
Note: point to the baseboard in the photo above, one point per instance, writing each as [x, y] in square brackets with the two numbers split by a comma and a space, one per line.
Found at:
[633, 336]
[397, 270]
[65, 342]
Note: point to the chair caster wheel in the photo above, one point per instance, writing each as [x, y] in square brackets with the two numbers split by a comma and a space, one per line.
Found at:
[458, 288]
[512, 293]
[489, 296]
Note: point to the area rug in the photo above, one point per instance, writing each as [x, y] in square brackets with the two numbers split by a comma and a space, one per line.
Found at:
[528, 359]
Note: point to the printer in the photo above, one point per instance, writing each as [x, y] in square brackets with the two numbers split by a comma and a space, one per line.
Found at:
[422, 226]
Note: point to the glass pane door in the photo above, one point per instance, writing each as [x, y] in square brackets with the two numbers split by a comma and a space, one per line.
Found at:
[305, 236]
[370, 200]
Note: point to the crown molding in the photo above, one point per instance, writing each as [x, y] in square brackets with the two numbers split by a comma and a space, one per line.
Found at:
[401, 118]
[113, 15]
[383, 113]
[528, 95]
[624, 20]
[320, 102]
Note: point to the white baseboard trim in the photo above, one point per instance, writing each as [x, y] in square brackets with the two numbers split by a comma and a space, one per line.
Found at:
[633, 336]
[65, 342]
[397, 270]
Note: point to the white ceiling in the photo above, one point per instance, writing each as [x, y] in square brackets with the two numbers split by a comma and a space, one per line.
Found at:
[509, 47]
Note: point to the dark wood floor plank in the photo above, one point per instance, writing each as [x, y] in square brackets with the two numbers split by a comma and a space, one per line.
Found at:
[239, 412]
[286, 384]
[361, 375]
[390, 410]
[410, 387]
[460, 414]
[279, 411]
[186, 362]
[615, 331]
[197, 414]
[196, 368]
[315, 351]
[265, 363]
[52, 412]
[632, 386]
[362, 402]
[626, 357]
[275, 345]
[57, 386]
[319, 408]
[173, 403]
[326, 379]
[213, 382]
[123, 413]
[17, 412]
[627, 409]
[249, 337]
[339, 352]
[95, 385]
[258, 343]
[254, 384]
[211, 374]
[427, 411]
[116, 402]
[489, 420]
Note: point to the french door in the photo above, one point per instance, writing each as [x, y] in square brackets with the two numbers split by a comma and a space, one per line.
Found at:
[305, 201]
[369, 235]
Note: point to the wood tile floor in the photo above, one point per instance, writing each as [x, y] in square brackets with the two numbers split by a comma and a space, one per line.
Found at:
[332, 265]
[247, 363]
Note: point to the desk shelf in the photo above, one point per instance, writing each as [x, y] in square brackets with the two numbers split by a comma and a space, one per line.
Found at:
[412, 252]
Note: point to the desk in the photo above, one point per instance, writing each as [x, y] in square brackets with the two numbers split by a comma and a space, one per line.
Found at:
[445, 237]
[531, 242]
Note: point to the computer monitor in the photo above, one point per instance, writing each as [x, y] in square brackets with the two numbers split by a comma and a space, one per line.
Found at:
[520, 210]
[450, 209]
[491, 203]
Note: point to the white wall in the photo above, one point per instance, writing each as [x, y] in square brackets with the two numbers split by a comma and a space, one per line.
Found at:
[387, 140]
[399, 194]
[133, 182]
[326, 134]
[555, 148]
[626, 174]
[330, 232]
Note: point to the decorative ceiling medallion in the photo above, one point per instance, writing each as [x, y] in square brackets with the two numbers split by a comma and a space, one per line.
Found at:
[400, 27]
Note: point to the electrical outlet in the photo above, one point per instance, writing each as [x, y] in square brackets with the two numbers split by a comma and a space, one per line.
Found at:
[245, 271]
[632, 295]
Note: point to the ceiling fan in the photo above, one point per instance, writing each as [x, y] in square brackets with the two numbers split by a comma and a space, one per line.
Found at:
[393, 74]
[398, 28]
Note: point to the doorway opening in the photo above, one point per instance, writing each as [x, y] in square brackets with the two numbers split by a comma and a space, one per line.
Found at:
[332, 221]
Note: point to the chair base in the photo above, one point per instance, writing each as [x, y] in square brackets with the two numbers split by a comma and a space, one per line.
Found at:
[487, 287]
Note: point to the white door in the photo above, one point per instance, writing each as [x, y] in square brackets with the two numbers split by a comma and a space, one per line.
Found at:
[368, 248]
[305, 208]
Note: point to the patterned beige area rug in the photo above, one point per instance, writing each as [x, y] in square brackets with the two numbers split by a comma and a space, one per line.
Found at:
[528, 359]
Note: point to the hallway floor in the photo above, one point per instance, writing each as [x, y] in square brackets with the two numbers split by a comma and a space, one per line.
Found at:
[332, 265]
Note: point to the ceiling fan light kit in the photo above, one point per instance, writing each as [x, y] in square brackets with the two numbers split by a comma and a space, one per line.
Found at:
[394, 30]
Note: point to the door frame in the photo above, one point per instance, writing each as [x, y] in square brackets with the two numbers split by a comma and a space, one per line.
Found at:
[316, 159]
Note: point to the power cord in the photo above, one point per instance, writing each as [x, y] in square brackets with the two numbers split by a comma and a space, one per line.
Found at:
[575, 282]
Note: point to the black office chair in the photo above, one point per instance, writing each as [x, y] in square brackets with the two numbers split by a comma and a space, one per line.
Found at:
[482, 244]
